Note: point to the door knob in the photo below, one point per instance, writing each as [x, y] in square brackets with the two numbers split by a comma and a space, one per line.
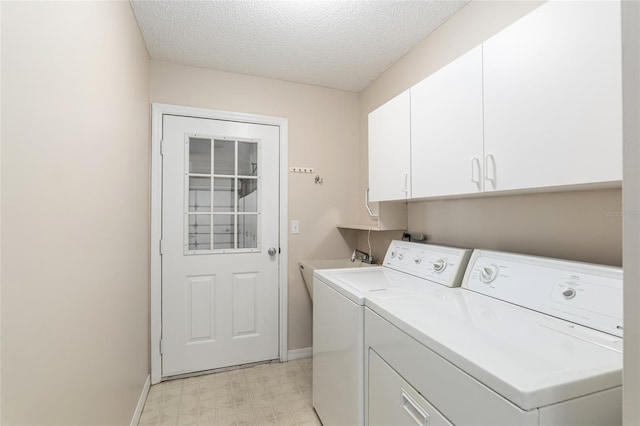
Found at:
[272, 251]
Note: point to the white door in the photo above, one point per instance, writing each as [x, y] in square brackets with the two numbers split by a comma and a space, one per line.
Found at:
[220, 201]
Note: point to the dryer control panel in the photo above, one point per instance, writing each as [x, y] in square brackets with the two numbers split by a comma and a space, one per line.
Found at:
[583, 293]
[440, 264]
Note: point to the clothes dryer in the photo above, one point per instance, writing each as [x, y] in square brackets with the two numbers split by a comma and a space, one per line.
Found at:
[525, 341]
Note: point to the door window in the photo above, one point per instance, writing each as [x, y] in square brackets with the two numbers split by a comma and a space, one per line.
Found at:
[222, 211]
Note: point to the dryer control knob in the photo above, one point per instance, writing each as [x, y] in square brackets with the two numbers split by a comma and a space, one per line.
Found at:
[439, 265]
[393, 254]
[569, 293]
[488, 273]
[417, 260]
[400, 256]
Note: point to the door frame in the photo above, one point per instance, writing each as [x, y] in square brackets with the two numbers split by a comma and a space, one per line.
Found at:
[157, 111]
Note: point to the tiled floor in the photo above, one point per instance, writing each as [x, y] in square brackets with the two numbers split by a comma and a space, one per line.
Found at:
[267, 394]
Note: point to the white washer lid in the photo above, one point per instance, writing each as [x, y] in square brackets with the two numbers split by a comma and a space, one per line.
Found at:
[529, 358]
[358, 283]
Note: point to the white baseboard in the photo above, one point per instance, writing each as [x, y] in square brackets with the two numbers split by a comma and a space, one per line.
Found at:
[299, 353]
[143, 398]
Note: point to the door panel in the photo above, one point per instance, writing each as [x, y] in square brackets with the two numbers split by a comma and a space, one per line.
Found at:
[201, 292]
[244, 304]
[219, 217]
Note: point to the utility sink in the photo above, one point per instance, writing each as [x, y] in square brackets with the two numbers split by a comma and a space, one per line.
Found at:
[308, 266]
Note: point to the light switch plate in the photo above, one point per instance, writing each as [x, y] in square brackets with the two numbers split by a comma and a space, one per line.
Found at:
[295, 226]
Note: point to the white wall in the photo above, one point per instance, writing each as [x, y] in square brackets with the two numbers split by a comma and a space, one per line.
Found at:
[323, 134]
[75, 216]
[631, 199]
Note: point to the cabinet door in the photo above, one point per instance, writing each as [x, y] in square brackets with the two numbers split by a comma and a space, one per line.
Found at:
[446, 129]
[552, 97]
[389, 150]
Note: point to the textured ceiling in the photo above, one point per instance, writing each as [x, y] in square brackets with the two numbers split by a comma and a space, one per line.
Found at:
[339, 44]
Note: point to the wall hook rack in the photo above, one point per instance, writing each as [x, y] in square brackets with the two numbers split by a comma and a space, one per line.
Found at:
[303, 170]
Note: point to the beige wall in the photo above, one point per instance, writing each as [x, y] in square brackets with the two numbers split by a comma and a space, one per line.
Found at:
[580, 225]
[323, 134]
[75, 218]
[572, 225]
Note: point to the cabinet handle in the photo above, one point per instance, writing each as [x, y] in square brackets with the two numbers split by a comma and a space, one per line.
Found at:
[490, 172]
[404, 183]
[414, 410]
[475, 161]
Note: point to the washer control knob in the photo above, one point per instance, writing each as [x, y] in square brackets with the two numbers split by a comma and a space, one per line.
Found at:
[488, 273]
[400, 256]
[439, 265]
[569, 293]
[394, 254]
[417, 260]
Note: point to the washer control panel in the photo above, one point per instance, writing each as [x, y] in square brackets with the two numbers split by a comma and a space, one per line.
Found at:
[583, 293]
[444, 265]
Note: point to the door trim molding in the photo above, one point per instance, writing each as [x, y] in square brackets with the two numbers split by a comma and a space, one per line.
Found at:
[157, 111]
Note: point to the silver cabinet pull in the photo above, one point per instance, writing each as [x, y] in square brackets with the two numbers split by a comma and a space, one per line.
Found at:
[416, 412]
[404, 184]
[490, 172]
[475, 177]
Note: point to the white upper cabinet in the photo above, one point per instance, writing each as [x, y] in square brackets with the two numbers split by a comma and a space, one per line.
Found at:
[538, 106]
[390, 151]
[552, 98]
[446, 130]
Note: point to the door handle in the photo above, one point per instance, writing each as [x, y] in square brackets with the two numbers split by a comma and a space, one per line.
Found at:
[271, 251]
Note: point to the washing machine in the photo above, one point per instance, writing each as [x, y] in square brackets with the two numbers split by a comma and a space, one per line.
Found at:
[338, 319]
[525, 341]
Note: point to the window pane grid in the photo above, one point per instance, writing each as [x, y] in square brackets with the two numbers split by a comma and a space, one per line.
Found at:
[235, 203]
[231, 205]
